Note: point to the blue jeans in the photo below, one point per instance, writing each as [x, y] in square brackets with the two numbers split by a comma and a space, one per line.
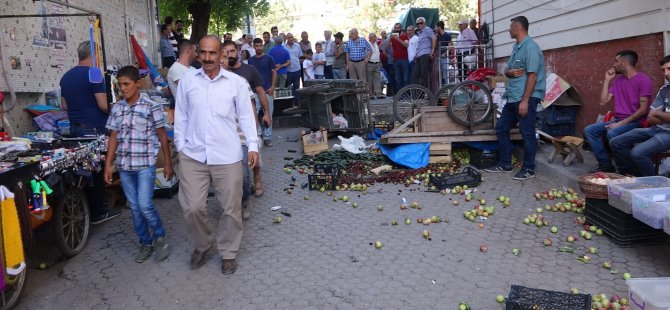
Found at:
[339, 73]
[509, 117]
[636, 159]
[138, 186]
[293, 79]
[267, 131]
[595, 133]
[328, 72]
[401, 73]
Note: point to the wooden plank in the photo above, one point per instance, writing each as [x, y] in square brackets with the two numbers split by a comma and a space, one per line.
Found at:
[406, 124]
[445, 133]
[443, 139]
[440, 159]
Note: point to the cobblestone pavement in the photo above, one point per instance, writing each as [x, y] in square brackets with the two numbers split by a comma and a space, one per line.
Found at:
[322, 256]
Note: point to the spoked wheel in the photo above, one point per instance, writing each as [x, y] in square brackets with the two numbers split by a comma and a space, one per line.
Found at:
[72, 222]
[470, 103]
[409, 98]
[14, 287]
[442, 95]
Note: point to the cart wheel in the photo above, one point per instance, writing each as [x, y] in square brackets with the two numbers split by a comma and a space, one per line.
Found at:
[72, 222]
[409, 98]
[470, 103]
[442, 95]
[10, 296]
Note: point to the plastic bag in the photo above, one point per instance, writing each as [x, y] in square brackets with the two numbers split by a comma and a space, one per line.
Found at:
[339, 121]
[355, 144]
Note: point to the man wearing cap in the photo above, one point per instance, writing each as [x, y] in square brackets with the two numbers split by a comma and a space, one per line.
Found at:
[358, 53]
[464, 45]
[426, 45]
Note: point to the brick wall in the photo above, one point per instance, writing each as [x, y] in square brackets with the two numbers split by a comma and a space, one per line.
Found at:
[584, 67]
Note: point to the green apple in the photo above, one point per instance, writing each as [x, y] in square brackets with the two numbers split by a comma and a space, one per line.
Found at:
[500, 299]
[554, 229]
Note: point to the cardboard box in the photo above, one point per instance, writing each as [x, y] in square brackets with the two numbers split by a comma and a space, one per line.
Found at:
[315, 148]
[493, 80]
[560, 92]
[146, 83]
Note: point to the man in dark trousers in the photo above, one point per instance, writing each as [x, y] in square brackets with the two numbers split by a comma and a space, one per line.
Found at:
[525, 90]
[87, 107]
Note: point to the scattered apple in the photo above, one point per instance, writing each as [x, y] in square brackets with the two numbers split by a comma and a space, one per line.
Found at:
[408, 221]
[378, 244]
[345, 198]
[547, 242]
[516, 252]
[607, 265]
[554, 229]
[500, 299]
[626, 276]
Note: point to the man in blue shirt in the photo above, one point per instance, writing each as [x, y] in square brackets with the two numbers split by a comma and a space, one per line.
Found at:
[358, 53]
[525, 89]
[166, 49]
[282, 60]
[86, 104]
[265, 66]
[424, 53]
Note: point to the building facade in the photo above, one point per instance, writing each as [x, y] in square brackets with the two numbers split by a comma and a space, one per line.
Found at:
[39, 39]
[581, 37]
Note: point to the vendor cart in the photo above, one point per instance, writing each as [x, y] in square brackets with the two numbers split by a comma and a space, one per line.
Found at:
[325, 103]
[66, 174]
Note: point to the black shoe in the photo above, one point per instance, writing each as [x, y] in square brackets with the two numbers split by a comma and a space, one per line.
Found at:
[524, 174]
[228, 266]
[498, 168]
[105, 216]
[604, 168]
[198, 258]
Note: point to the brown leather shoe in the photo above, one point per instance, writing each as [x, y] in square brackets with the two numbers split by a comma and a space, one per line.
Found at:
[228, 266]
[198, 258]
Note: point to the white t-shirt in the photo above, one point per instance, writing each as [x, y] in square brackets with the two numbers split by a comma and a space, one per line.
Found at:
[318, 69]
[411, 49]
[175, 73]
[308, 66]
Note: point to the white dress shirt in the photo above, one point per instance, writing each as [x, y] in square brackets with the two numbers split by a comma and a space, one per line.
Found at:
[206, 110]
[329, 50]
[374, 57]
[465, 40]
[411, 48]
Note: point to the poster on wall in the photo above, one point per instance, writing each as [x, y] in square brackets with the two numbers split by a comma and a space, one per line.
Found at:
[41, 40]
[59, 55]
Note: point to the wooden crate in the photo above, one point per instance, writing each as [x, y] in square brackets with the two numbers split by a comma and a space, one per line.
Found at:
[316, 148]
[440, 152]
[436, 118]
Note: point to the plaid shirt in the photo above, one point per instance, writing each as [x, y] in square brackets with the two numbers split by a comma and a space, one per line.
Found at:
[357, 50]
[136, 132]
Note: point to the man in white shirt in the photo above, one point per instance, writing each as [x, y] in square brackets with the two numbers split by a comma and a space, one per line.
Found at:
[248, 45]
[411, 47]
[329, 50]
[187, 55]
[373, 69]
[209, 100]
[464, 46]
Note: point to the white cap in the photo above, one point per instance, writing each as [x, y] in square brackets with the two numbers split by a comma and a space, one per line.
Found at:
[463, 21]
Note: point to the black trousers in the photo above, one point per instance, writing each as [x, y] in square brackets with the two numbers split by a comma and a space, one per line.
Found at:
[421, 70]
[463, 71]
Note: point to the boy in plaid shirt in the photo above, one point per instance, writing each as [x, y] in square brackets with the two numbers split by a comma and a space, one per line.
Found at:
[136, 128]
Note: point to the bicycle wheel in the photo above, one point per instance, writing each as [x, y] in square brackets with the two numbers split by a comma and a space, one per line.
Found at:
[470, 103]
[442, 95]
[72, 222]
[409, 98]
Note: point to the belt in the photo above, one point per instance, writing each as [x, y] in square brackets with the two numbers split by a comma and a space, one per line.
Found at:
[370, 62]
[356, 60]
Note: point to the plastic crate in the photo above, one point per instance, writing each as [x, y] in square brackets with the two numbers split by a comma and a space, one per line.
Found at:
[623, 229]
[468, 176]
[558, 114]
[619, 192]
[651, 206]
[649, 293]
[524, 298]
[565, 129]
[482, 159]
[325, 176]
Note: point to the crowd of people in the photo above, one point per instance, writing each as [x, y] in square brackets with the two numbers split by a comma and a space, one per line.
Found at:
[390, 60]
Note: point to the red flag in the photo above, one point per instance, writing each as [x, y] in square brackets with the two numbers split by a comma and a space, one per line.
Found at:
[139, 53]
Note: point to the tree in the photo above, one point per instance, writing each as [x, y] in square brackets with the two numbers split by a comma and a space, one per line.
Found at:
[227, 14]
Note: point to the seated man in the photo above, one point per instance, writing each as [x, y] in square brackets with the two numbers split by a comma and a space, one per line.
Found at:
[631, 91]
[636, 159]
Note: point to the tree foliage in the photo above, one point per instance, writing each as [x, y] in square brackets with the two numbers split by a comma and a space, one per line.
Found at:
[205, 16]
[280, 15]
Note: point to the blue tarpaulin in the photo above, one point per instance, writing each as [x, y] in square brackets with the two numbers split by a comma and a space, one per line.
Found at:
[412, 155]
